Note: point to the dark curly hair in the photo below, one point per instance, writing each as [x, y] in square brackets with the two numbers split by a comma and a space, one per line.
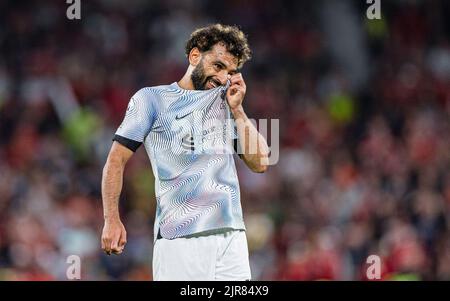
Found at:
[234, 39]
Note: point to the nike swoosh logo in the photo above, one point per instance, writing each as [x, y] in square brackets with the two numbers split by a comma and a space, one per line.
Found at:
[178, 117]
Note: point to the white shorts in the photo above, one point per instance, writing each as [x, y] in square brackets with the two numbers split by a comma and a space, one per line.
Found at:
[222, 257]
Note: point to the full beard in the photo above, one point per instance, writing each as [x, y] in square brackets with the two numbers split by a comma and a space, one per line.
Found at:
[199, 79]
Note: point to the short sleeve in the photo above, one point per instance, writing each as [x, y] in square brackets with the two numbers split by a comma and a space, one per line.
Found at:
[138, 120]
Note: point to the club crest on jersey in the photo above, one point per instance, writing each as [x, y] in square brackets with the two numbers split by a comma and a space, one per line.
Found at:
[187, 142]
[130, 105]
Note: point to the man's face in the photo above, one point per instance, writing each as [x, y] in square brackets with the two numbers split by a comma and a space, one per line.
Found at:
[213, 69]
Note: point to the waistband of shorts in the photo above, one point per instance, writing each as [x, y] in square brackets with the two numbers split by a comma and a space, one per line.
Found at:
[205, 233]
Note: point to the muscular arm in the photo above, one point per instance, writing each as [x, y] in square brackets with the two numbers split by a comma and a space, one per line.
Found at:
[253, 145]
[114, 234]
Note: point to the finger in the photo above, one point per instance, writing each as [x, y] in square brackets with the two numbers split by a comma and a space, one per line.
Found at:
[107, 245]
[114, 245]
[107, 249]
[117, 252]
[120, 248]
[237, 76]
[235, 86]
[123, 240]
[233, 89]
[237, 79]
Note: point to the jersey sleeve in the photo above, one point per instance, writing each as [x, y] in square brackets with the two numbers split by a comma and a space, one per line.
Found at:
[138, 120]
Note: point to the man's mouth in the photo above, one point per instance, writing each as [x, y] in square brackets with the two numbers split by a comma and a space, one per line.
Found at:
[211, 84]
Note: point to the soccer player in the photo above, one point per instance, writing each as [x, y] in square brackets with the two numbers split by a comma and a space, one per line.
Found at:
[199, 229]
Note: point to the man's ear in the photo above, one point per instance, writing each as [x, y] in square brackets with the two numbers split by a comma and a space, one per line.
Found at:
[195, 56]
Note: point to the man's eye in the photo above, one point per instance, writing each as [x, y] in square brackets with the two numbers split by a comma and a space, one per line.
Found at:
[217, 66]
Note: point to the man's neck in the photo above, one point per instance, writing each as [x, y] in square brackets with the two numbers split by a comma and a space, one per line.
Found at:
[186, 83]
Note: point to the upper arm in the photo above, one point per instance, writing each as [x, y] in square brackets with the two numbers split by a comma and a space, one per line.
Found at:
[119, 154]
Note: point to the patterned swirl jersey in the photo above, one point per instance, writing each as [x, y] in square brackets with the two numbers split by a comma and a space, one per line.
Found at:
[188, 136]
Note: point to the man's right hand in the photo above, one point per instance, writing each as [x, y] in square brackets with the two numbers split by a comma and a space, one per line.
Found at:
[114, 237]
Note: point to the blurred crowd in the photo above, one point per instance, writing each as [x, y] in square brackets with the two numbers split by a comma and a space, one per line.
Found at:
[364, 164]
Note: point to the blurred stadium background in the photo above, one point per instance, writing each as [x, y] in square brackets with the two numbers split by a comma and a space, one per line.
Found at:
[364, 109]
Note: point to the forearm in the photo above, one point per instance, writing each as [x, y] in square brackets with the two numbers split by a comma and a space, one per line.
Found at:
[253, 145]
[112, 180]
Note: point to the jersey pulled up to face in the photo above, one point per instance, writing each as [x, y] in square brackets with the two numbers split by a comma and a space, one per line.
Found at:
[188, 136]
